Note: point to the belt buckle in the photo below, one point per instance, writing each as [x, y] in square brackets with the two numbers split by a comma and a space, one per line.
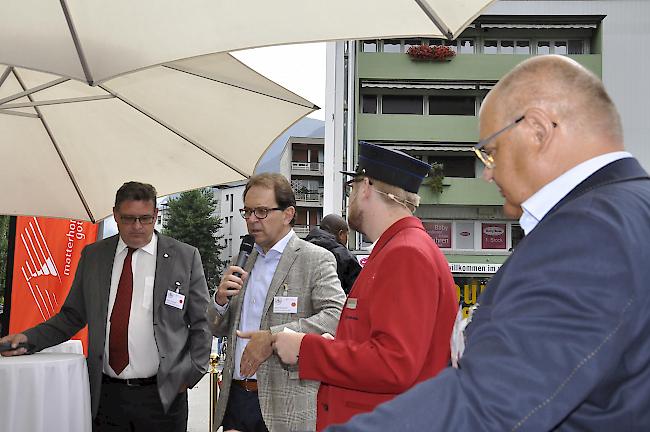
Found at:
[132, 382]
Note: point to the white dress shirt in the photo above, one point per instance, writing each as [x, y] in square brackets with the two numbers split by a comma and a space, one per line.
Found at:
[257, 288]
[542, 201]
[143, 351]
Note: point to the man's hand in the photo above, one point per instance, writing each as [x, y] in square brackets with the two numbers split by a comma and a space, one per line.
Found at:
[287, 345]
[258, 349]
[14, 340]
[230, 285]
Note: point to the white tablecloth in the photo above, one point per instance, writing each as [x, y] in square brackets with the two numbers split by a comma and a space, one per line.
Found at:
[44, 392]
[70, 347]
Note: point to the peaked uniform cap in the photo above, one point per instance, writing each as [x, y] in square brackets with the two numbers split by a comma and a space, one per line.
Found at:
[390, 166]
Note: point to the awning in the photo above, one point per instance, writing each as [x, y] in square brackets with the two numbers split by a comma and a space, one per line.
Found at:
[426, 85]
[540, 26]
[428, 147]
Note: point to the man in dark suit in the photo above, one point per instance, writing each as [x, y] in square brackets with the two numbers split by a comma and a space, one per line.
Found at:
[144, 298]
[560, 339]
[333, 236]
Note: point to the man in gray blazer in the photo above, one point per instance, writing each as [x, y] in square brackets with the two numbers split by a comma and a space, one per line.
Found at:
[143, 296]
[287, 283]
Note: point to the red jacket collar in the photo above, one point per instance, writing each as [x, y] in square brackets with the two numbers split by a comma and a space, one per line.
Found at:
[404, 223]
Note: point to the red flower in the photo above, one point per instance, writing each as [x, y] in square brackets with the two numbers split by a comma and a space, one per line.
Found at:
[431, 52]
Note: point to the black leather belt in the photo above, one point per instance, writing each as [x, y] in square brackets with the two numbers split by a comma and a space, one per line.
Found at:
[131, 382]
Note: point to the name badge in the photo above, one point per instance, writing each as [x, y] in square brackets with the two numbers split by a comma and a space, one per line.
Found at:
[285, 304]
[175, 299]
[351, 303]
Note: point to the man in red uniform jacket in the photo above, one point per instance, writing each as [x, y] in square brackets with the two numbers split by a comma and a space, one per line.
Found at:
[395, 327]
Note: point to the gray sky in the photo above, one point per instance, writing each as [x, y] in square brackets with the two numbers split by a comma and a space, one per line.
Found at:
[299, 68]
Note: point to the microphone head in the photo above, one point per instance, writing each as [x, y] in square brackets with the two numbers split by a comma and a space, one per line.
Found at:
[247, 243]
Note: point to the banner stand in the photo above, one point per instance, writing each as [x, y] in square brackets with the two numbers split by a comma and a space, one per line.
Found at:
[9, 273]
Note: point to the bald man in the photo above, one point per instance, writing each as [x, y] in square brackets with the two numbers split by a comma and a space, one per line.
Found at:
[560, 339]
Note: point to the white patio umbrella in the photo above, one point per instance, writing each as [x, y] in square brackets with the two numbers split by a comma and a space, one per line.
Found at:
[95, 40]
[65, 147]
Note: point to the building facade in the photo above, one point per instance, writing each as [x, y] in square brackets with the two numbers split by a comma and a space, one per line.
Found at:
[302, 162]
[229, 197]
[430, 110]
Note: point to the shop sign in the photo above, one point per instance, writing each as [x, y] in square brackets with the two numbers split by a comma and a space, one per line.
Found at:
[493, 236]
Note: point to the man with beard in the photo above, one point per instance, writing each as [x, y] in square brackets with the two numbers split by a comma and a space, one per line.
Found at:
[395, 327]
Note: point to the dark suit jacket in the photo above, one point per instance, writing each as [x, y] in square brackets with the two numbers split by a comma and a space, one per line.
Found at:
[182, 336]
[560, 339]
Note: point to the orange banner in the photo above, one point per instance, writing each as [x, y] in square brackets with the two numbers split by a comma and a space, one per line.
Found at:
[45, 261]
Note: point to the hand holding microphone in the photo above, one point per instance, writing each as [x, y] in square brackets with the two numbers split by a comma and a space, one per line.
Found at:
[232, 280]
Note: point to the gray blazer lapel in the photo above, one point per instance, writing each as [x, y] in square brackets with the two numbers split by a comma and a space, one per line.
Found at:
[106, 259]
[286, 261]
[165, 256]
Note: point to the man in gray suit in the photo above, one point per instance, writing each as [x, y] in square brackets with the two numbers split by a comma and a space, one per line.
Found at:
[143, 296]
[287, 283]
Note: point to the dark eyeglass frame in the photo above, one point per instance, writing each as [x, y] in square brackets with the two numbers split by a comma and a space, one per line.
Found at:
[143, 219]
[259, 212]
[350, 183]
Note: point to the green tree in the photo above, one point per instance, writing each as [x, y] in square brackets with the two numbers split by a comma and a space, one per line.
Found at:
[191, 220]
[4, 228]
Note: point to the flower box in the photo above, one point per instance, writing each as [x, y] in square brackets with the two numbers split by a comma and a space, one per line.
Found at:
[431, 52]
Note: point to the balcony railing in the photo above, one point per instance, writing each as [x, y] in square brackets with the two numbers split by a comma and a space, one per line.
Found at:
[309, 197]
[308, 167]
[302, 230]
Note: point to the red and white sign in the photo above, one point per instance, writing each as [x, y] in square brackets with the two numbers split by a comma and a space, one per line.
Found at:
[493, 236]
[45, 261]
[440, 232]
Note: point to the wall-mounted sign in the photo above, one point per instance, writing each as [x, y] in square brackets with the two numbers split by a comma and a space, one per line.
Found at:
[440, 232]
[480, 268]
[493, 236]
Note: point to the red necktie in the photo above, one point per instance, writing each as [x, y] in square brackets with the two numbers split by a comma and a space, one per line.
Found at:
[118, 340]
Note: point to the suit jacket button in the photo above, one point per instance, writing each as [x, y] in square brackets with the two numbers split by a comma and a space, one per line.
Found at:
[326, 407]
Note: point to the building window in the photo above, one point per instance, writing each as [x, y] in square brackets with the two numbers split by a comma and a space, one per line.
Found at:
[392, 46]
[232, 202]
[452, 105]
[369, 46]
[466, 46]
[490, 47]
[369, 104]
[516, 234]
[543, 47]
[408, 43]
[402, 104]
[507, 47]
[522, 47]
[456, 166]
[559, 47]
[576, 47]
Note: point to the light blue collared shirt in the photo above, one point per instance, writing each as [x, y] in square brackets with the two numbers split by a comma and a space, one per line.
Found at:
[257, 288]
[542, 201]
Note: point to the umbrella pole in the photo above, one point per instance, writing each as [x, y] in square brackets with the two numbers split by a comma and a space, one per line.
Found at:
[214, 390]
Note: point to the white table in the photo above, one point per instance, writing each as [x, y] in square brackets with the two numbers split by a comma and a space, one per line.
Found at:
[70, 347]
[45, 392]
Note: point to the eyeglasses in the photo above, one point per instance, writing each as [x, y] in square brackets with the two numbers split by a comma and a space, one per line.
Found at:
[350, 183]
[131, 220]
[259, 212]
[486, 157]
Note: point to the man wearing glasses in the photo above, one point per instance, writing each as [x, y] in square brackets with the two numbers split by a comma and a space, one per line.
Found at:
[287, 284]
[560, 339]
[143, 296]
[395, 328]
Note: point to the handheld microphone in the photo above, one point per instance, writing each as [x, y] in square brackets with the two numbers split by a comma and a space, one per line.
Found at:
[245, 249]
